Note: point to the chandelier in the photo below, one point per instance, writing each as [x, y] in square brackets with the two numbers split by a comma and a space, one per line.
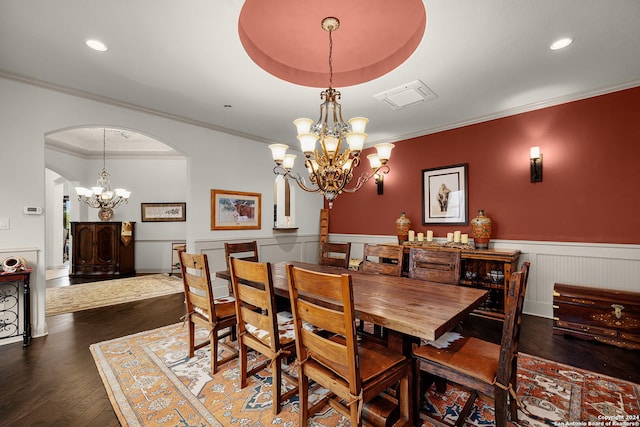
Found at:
[331, 168]
[103, 196]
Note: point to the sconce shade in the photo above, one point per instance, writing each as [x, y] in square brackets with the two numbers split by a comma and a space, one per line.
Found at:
[534, 153]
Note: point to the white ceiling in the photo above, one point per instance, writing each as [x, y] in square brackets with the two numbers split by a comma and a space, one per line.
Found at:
[483, 59]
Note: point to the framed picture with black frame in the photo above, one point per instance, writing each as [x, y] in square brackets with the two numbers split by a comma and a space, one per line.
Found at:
[445, 197]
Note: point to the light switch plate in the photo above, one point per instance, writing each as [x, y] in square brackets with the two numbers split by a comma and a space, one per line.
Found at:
[4, 223]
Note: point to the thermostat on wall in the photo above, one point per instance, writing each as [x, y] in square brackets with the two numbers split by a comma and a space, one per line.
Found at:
[32, 210]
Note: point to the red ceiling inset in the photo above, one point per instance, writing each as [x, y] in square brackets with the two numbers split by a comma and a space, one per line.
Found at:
[286, 39]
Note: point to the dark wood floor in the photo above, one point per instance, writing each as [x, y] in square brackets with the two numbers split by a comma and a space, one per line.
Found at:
[54, 381]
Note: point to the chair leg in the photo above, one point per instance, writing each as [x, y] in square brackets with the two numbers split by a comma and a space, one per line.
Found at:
[464, 413]
[355, 419]
[276, 379]
[214, 352]
[244, 364]
[418, 391]
[192, 339]
[501, 396]
[303, 398]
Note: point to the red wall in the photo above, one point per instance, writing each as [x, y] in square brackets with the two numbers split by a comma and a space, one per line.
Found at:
[591, 178]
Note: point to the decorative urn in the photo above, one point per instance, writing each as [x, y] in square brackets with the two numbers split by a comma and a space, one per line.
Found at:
[402, 228]
[481, 229]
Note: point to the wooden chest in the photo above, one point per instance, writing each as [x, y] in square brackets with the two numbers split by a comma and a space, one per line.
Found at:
[604, 315]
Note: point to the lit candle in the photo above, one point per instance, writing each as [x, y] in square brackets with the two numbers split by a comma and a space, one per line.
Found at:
[456, 236]
[429, 235]
[420, 237]
[449, 237]
[464, 238]
[411, 235]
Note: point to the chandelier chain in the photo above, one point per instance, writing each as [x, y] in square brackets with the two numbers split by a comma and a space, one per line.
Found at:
[104, 148]
[330, 59]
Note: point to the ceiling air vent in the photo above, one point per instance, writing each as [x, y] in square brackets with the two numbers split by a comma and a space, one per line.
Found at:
[406, 95]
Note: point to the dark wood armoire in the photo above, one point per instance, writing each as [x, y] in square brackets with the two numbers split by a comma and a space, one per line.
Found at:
[102, 249]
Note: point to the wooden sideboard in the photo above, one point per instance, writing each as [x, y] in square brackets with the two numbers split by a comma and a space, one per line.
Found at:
[603, 315]
[102, 249]
[488, 269]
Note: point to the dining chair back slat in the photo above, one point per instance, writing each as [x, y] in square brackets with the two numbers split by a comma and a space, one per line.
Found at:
[383, 259]
[440, 265]
[247, 251]
[335, 254]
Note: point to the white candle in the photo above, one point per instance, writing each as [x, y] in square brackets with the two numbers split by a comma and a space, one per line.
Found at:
[449, 237]
[429, 235]
[411, 235]
[456, 236]
[420, 237]
[464, 238]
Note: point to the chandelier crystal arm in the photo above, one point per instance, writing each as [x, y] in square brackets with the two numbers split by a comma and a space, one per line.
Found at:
[279, 170]
[366, 177]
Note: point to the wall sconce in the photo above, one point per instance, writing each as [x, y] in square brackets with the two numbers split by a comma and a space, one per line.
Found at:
[380, 183]
[536, 164]
[379, 177]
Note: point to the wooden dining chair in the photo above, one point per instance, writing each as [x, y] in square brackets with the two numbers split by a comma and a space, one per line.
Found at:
[247, 251]
[480, 366]
[383, 259]
[435, 265]
[217, 315]
[261, 327]
[335, 254]
[353, 374]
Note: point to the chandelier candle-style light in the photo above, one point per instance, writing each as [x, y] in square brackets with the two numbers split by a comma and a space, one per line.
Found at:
[103, 196]
[331, 169]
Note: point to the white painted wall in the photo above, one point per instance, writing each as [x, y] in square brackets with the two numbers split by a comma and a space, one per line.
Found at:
[213, 160]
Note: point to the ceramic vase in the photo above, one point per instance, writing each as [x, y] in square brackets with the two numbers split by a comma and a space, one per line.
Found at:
[481, 229]
[403, 224]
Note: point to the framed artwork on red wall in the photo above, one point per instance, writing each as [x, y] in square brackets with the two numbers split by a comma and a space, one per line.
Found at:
[444, 195]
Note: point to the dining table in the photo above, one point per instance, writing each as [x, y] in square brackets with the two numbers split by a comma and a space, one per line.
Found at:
[408, 309]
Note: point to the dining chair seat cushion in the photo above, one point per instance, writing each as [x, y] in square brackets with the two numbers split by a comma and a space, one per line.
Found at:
[374, 359]
[286, 329]
[474, 357]
[225, 307]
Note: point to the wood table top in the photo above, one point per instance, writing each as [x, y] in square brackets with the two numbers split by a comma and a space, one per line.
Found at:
[414, 307]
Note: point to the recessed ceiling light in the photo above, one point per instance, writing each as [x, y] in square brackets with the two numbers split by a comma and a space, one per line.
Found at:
[96, 45]
[560, 43]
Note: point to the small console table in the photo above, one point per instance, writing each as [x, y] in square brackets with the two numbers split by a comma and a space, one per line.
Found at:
[10, 307]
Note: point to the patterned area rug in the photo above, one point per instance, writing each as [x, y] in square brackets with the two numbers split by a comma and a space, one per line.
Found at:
[68, 299]
[151, 381]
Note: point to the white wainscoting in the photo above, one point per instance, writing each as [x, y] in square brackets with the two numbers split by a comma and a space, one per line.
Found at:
[285, 247]
[598, 265]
